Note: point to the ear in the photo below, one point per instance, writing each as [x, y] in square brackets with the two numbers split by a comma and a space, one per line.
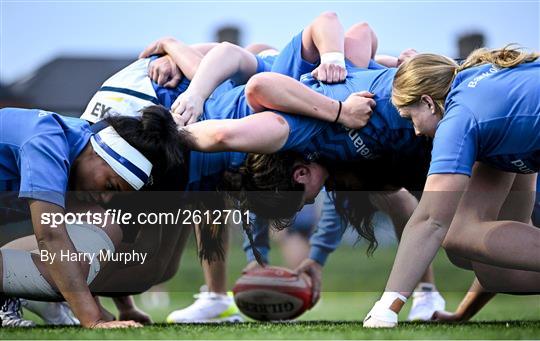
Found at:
[301, 174]
[429, 102]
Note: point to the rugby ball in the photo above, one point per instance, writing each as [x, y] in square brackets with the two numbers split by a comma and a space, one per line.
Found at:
[272, 294]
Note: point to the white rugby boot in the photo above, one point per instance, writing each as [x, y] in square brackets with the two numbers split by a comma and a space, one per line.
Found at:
[11, 314]
[426, 301]
[209, 307]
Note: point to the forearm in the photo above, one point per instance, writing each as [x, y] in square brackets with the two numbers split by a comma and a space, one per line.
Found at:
[388, 61]
[328, 234]
[327, 34]
[418, 246]
[185, 57]
[69, 279]
[426, 230]
[68, 276]
[221, 63]
[204, 48]
[278, 92]
[260, 239]
[263, 133]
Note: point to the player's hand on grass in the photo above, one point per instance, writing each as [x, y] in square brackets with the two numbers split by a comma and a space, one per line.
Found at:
[446, 316]
[313, 270]
[189, 107]
[329, 73]
[165, 72]
[115, 324]
[356, 110]
[251, 266]
[136, 315]
[157, 47]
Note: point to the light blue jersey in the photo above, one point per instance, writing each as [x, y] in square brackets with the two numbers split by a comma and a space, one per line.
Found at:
[492, 115]
[37, 150]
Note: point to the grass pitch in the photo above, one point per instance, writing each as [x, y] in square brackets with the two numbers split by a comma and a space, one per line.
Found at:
[302, 330]
[351, 283]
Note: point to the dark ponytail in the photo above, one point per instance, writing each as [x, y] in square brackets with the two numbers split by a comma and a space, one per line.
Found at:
[352, 184]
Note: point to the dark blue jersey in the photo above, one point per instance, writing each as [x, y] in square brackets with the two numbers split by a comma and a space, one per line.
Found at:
[386, 133]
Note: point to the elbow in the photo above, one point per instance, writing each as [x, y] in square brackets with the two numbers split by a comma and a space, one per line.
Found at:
[228, 46]
[229, 49]
[328, 15]
[222, 138]
[360, 28]
[257, 88]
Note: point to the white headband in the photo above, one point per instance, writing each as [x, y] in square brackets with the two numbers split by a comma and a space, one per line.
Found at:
[125, 160]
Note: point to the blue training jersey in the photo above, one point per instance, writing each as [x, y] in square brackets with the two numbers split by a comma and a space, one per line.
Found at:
[289, 62]
[492, 115]
[37, 150]
[206, 169]
[385, 133]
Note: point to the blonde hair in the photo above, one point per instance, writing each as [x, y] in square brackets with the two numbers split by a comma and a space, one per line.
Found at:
[432, 74]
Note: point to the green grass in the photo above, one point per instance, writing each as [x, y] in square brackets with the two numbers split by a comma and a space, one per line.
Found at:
[351, 284]
[306, 330]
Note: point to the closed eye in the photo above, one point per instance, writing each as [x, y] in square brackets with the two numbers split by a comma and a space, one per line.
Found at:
[112, 187]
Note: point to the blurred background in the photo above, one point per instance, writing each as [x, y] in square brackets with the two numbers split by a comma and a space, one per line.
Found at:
[55, 54]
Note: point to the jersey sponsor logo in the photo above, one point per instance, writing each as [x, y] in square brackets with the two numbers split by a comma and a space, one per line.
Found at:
[100, 110]
[43, 113]
[522, 167]
[484, 75]
[359, 144]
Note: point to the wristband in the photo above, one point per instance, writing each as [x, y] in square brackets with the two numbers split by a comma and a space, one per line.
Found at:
[336, 58]
[339, 111]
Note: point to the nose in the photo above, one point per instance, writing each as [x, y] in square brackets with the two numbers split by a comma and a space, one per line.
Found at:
[417, 132]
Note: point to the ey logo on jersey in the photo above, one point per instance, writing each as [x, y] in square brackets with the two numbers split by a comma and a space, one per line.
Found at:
[100, 110]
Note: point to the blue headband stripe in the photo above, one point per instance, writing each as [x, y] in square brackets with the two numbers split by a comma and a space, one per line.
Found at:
[122, 160]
